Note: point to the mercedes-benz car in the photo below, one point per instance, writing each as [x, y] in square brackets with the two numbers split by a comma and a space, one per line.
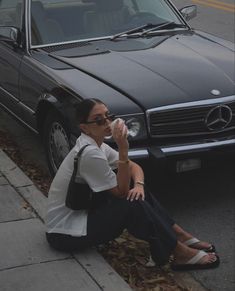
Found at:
[173, 85]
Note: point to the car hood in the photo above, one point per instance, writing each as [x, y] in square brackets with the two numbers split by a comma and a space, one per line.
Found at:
[156, 71]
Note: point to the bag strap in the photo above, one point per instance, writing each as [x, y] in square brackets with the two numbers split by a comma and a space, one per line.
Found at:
[75, 163]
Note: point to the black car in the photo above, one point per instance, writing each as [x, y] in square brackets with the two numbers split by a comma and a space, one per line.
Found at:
[174, 86]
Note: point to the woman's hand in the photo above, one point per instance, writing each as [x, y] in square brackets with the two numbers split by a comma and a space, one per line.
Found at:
[136, 193]
[119, 133]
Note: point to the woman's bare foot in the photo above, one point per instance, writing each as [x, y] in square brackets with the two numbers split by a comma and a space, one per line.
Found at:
[183, 254]
[186, 258]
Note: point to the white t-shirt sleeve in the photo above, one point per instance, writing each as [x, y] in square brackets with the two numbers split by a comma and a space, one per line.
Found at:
[96, 171]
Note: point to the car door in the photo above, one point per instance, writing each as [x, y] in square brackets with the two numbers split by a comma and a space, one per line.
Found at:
[10, 55]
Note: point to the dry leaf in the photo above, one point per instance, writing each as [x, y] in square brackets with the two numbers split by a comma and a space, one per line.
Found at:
[25, 205]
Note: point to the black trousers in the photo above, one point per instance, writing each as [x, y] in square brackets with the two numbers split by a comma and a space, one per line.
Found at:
[146, 220]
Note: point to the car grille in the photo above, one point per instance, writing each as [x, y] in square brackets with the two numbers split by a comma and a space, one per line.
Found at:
[190, 119]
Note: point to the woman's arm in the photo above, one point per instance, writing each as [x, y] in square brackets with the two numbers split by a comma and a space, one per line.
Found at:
[127, 169]
[137, 175]
[123, 169]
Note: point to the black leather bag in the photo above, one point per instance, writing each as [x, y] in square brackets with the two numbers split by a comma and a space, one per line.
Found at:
[79, 196]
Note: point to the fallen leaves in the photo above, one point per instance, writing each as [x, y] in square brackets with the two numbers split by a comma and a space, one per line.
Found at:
[129, 256]
[35, 173]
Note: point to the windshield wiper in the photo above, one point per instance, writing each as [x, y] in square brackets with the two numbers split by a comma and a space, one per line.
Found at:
[154, 27]
[162, 25]
[133, 30]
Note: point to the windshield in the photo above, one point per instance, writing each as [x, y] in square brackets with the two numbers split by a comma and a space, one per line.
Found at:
[58, 21]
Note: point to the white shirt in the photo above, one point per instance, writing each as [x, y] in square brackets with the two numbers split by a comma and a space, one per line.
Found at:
[96, 169]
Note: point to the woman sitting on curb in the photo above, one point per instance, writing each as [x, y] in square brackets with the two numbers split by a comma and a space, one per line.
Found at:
[123, 207]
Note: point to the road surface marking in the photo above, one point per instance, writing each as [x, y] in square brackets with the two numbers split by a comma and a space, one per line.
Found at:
[217, 4]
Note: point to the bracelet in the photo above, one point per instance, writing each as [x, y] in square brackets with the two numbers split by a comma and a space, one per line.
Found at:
[140, 183]
[123, 162]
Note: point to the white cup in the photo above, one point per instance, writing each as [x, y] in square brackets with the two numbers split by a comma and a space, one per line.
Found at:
[120, 121]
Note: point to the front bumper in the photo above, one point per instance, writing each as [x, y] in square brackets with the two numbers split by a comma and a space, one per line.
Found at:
[175, 150]
[159, 156]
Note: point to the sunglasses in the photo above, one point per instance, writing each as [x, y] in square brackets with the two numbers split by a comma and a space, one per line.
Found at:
[101, 121]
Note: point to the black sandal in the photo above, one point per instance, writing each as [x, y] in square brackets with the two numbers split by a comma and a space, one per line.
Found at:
[192, 264]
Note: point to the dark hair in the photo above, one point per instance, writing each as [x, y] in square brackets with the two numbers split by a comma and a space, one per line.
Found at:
[84, 108]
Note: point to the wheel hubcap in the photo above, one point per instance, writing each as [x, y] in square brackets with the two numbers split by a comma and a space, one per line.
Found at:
[58, 145]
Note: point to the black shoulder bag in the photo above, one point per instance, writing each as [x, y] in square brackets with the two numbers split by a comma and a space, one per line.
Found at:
[79, 195]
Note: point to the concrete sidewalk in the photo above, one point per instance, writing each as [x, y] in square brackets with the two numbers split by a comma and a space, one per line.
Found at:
[27, 263]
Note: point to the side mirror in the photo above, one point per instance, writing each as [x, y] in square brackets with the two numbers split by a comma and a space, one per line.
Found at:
[189, 12]
[10, 34]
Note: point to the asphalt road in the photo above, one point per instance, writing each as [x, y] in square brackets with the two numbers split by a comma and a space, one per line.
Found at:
[203, 202]
[214, 16]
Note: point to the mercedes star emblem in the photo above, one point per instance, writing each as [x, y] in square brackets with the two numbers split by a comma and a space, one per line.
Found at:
[218, 117]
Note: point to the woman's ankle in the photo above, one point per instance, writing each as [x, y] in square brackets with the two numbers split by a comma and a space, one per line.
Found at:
[181, 234]
[182, 252]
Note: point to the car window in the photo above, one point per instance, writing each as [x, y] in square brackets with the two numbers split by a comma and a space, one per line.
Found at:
[159, 8]
[57, 21]
[11, 13]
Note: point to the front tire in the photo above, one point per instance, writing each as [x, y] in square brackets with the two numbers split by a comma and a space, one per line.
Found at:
[56, 141]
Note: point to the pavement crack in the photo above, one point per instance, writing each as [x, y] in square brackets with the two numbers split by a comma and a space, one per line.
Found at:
[89, 274]
[34, 264]
[16, 220]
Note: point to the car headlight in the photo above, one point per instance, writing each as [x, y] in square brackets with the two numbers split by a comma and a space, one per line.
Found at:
[134, 127]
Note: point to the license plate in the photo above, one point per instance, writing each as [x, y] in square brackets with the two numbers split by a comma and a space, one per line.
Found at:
[188, 165]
